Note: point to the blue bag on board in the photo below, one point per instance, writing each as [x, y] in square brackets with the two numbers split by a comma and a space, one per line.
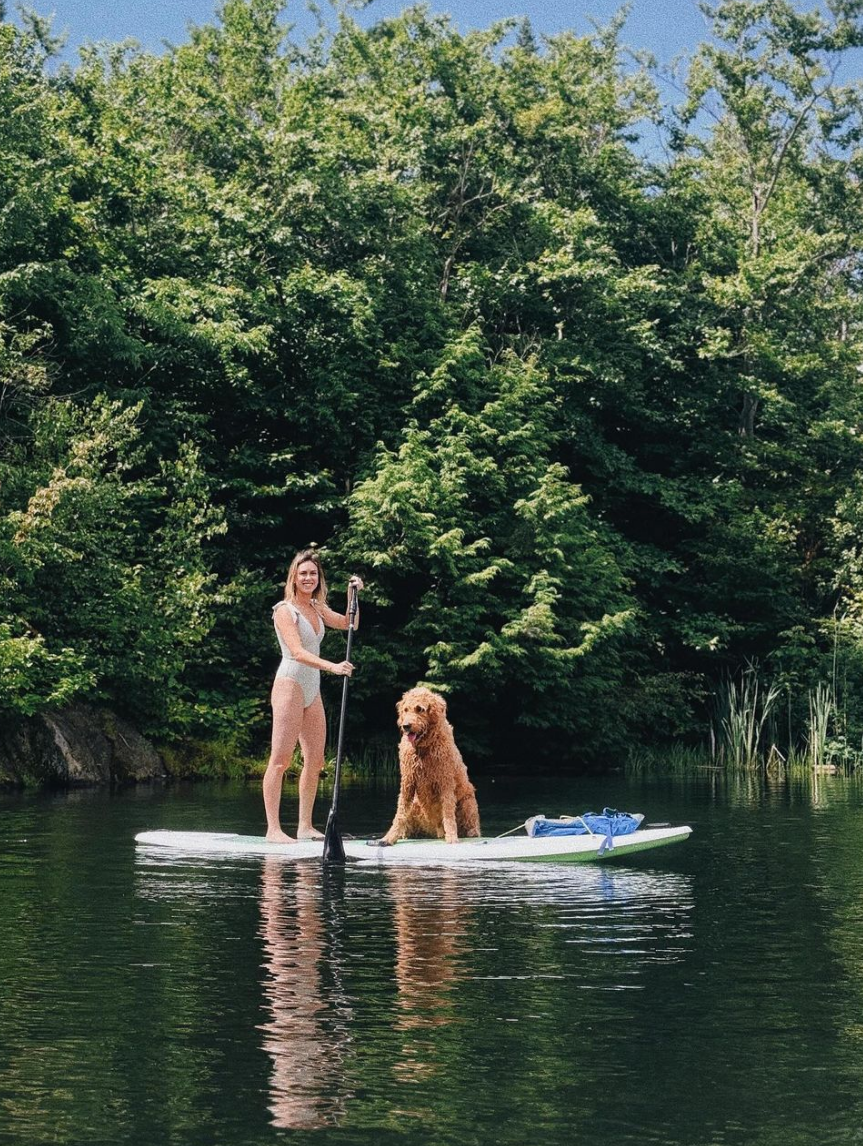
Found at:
[608, 823]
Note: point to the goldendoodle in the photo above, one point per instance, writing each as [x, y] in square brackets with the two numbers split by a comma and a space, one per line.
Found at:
[436, 797]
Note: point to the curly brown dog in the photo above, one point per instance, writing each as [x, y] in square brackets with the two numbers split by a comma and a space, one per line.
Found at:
[436, 798]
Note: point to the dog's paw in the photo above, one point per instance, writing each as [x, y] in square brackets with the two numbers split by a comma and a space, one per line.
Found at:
[379, 843]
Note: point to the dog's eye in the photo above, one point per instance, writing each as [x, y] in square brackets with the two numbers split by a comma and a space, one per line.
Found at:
[420, 708]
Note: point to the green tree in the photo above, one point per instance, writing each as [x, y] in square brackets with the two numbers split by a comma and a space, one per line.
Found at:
[502, 590]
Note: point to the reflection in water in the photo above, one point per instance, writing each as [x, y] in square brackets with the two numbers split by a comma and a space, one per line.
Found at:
[305, 1046]
[712, 993]
[642, 917]
[751, 789]
[377, 985]
[430, 921]
[429, 918]
[457, 928]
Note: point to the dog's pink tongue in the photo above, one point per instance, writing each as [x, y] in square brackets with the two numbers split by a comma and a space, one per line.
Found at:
[411, 736]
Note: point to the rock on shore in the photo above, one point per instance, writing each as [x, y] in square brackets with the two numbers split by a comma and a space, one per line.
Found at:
[78, 745]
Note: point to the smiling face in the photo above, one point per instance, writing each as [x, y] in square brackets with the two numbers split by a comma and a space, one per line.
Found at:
[307, 578]
[418, 711]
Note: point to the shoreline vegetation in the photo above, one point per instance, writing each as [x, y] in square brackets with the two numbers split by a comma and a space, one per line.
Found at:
[220, 761]
[742, 743]
[568, 368]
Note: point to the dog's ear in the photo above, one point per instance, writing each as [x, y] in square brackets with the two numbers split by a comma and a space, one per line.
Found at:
[437, 704]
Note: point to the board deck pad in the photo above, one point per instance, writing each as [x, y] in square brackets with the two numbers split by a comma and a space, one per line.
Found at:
[524, 849]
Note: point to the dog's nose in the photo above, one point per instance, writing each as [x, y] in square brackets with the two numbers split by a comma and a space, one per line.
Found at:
[406, 726]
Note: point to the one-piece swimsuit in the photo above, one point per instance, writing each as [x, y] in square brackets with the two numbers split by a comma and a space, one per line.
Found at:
[308, 678]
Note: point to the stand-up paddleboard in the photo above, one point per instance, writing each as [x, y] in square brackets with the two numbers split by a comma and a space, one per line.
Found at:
[527, 849]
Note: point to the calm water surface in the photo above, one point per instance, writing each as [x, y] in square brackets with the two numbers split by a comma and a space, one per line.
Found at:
[709, 993]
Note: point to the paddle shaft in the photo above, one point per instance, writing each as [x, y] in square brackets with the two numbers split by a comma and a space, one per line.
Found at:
[334, 851]
[352, 614]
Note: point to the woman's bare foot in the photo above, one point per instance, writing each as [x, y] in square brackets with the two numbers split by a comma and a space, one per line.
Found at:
[277, 836]
[309, 834]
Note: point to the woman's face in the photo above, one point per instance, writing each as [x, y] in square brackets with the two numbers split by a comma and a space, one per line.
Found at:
[307, 577]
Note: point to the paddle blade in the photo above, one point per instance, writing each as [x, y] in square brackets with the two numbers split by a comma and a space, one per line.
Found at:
[334, 849]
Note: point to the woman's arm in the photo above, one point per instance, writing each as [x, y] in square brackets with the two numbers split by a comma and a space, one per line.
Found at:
[289, 630]
[342, 620]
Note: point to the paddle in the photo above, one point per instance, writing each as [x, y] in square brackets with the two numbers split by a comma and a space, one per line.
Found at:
[334, 850]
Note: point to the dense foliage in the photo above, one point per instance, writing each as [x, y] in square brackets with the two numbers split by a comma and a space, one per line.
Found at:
[587, 423]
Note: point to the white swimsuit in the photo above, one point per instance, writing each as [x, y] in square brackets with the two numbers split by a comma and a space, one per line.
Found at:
[308, 678]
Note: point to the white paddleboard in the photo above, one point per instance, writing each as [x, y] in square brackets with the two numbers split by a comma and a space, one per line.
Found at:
[547, 849]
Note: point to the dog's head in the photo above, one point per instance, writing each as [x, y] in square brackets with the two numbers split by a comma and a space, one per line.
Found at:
[420, 711]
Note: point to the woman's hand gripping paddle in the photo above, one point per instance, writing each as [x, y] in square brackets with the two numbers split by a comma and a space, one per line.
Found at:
[334, 851]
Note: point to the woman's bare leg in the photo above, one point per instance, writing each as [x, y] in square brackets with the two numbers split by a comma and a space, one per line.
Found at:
[287, 702]
[313, 738]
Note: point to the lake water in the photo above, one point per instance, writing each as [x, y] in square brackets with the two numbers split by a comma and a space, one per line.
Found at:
[711, 992]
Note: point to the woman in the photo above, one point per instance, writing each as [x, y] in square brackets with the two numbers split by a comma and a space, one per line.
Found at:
[298, 713]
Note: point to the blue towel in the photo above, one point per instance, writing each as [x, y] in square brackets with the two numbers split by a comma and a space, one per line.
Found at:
[609, 822]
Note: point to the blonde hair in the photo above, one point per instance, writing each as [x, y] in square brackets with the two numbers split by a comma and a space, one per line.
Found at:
[319, 595]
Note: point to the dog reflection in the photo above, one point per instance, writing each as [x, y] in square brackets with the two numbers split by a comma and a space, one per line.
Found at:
[429, 920]
[306, 1056]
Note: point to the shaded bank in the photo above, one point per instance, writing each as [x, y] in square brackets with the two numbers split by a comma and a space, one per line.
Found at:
[83, 746]
[80, 745]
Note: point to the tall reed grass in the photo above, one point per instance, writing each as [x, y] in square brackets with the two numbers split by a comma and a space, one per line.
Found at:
[821, 711]
[747, 732]
[743, 714]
